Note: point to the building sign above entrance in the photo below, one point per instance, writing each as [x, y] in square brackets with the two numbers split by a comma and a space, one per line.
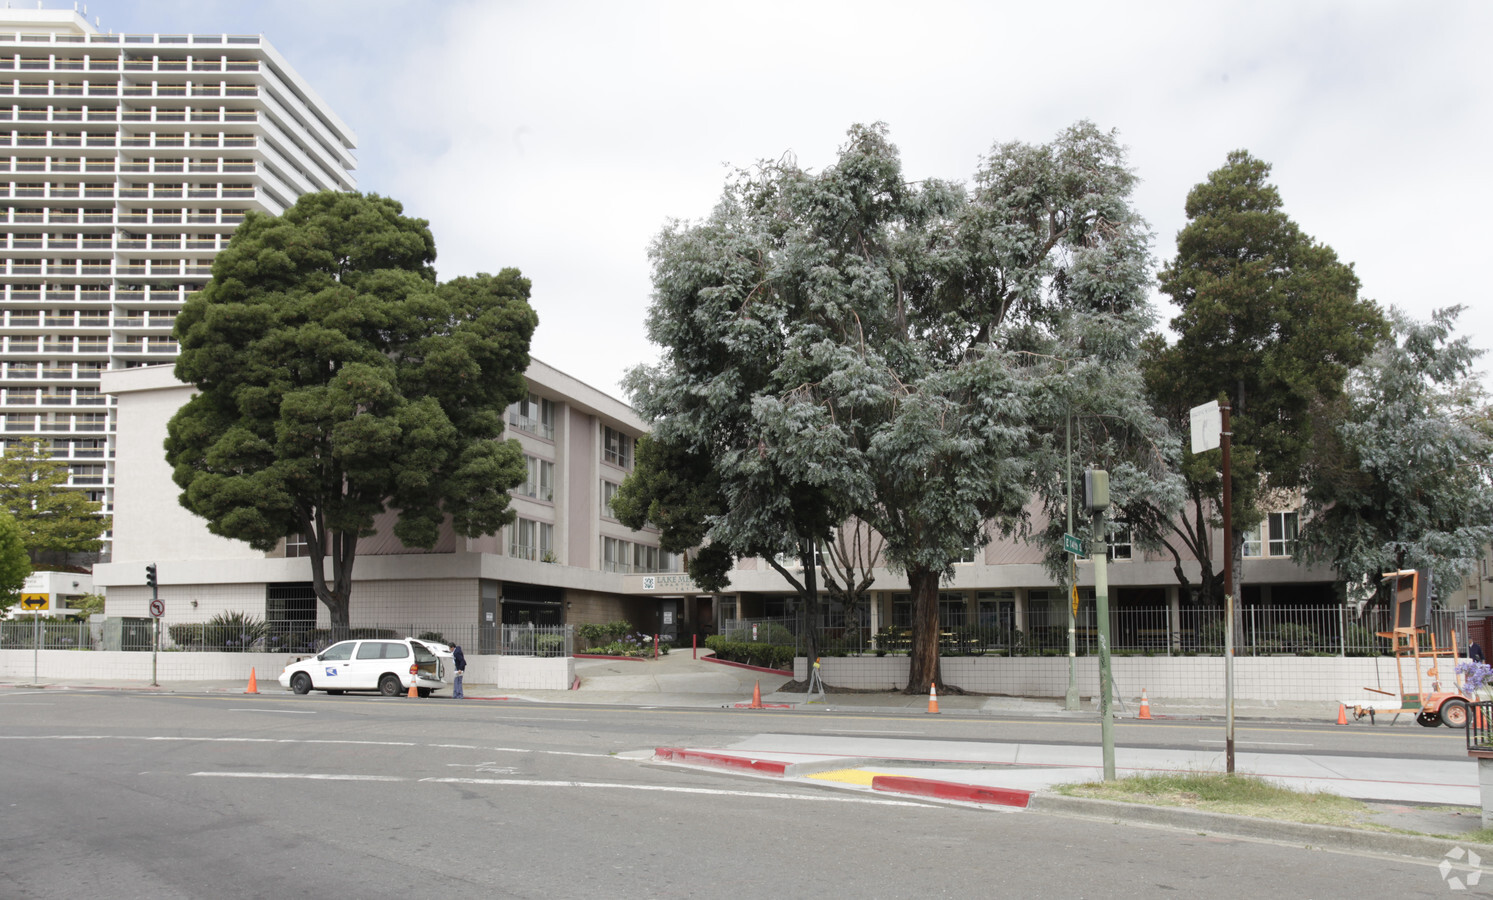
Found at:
[679, 582]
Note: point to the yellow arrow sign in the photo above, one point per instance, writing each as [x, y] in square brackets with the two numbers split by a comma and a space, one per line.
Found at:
[33, 601]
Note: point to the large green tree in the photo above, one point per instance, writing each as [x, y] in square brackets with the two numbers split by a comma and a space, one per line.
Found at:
[1403, 480]
[15, 563]
[336, 379]
[1268, 319]
[847, 343]
[55, 520]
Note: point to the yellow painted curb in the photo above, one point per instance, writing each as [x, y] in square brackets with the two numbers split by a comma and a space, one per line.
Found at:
[861, 777]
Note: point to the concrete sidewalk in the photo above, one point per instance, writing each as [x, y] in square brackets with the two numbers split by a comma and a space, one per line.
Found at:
[1428, 807]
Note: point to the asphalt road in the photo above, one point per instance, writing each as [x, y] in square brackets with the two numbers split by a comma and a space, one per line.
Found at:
[124, 795]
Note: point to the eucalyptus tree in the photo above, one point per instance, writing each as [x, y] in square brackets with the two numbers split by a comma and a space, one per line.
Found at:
[1403, 479]
[849, 343]
[336, 380]
[57, 521]
[1269, 319]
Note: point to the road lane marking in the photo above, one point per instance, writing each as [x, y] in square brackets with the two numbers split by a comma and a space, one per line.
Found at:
[527, 782]
[284, 712]
[307, 776]
[1260, 743]
[872, 731]
[260, 740]
[714, 792]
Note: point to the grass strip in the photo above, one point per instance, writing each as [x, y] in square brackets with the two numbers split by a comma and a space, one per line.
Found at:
[1240, 795]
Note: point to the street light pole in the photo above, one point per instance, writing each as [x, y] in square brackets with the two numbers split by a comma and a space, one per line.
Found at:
[1228, 589]
[1071, 701]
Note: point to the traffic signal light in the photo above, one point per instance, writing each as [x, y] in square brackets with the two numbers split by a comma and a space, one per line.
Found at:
[150, 575]
[1095, 490]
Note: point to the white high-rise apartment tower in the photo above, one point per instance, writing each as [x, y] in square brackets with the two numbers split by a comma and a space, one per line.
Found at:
[126, 161]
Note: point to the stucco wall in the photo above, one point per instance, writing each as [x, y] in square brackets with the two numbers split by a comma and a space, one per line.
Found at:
[504, 672]
[1337, 679]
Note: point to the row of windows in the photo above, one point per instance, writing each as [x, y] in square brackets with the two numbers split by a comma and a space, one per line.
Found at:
[1279, 533]
[528, 539]
[535, 415]
[626, 557]
[617, 448]
[539, 483]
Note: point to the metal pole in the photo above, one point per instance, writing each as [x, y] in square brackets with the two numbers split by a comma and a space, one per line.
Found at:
[35, 645]
[1071, 701]
[1106, 675]
[155, 639]
[1228, 589]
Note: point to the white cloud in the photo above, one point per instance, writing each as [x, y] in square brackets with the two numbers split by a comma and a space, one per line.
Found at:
[559, 137]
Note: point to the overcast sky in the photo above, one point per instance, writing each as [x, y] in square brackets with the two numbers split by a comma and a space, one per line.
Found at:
[559, 137]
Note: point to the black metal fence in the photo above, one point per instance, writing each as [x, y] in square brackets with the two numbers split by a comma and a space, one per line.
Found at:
[248, 635]
[1157, 631]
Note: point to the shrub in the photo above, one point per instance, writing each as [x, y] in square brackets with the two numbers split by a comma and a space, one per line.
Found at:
[752, 653]
[595, 635]
[435, 636]
[1296, 638]
[233, 632]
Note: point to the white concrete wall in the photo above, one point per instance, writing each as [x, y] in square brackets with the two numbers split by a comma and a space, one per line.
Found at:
[506, 672]
[1337, 679]
[518, 673]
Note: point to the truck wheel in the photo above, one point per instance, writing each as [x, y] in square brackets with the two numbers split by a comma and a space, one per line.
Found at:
[389, 686]
[300, 682]
[1454, 714]
[1428, 719]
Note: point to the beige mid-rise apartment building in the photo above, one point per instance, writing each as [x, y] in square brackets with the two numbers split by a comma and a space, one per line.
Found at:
[126, 162]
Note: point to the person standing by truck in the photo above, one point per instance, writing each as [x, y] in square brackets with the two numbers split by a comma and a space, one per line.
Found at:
[461, 668]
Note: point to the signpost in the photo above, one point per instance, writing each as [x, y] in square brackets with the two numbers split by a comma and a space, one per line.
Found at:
[1210, 431]
[34, 601]
[157, 609]
[1072, 544]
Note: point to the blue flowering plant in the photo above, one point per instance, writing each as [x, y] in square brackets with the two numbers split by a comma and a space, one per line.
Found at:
[1475, 675]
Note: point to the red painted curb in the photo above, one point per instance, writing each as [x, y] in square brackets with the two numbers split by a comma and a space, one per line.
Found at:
[727, 662]
[599, 656]
[947, 790]
[720, 759]
[747, 704]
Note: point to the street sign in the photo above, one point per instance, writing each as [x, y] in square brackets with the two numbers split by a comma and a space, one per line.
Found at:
[33, 601]
[1207, 427]
[158, 608]
[1072, 545]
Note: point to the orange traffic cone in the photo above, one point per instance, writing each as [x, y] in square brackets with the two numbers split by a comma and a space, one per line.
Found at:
[253, 685]
[757, 696]
[1342, 714]
[932, 698]
[1145, 705]
[414, 680]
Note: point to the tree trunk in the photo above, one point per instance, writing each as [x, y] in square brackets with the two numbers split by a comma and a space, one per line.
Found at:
[923, 666]
[811, 601]
[337, 597]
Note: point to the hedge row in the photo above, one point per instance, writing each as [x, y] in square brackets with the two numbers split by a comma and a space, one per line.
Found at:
[768, 656]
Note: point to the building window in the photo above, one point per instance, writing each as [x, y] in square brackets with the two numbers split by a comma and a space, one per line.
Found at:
[535, 415]
[953, 609]
[967, 555]
[540, 480]
[997, 609]
[616, 555]
[1119, 542]
[1282, 533]
[608, 491]
[528, 539]
[616, 448]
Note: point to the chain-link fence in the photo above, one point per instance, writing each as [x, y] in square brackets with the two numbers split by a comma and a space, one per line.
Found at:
[1157, 631]
[243, 634]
